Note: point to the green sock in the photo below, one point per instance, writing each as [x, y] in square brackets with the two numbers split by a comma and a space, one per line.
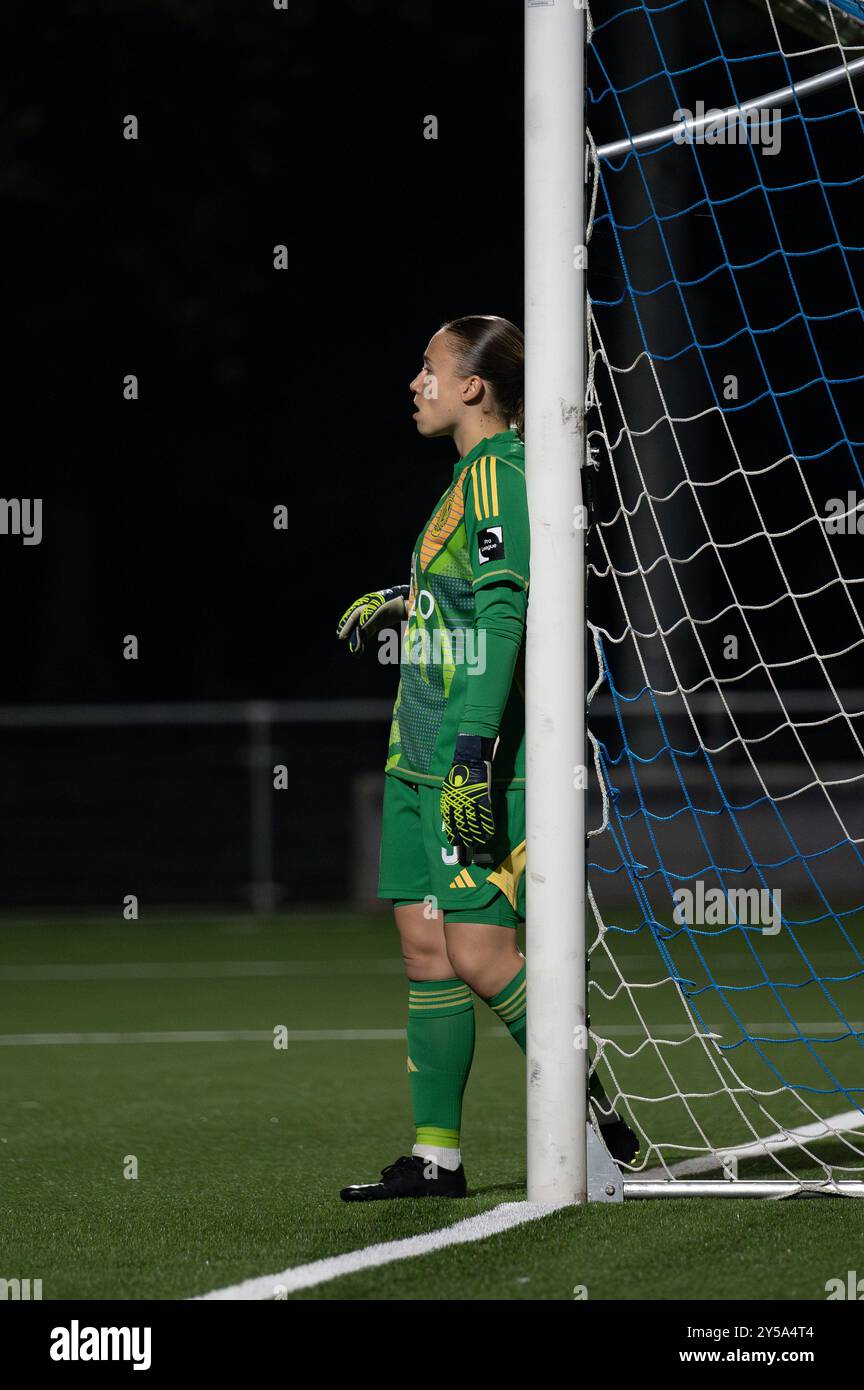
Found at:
[440, 1052]
[509, 1005]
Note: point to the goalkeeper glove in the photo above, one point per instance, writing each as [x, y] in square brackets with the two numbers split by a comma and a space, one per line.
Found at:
[466, 793]
[368, 614]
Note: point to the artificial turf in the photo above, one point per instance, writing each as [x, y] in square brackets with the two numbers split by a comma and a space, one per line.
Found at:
[240, 1147]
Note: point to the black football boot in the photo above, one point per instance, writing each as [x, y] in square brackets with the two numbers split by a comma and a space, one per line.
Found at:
[407, 1177]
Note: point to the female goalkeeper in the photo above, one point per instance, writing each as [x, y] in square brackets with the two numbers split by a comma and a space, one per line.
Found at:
[453, 836]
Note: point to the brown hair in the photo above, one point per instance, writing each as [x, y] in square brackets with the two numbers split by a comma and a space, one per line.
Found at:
[494, 349]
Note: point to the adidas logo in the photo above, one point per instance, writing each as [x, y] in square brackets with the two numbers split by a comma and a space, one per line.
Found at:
[463, 880]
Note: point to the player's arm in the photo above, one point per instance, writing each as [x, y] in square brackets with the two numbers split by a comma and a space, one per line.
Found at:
[497, 535]
[370, 613]
[499, 624]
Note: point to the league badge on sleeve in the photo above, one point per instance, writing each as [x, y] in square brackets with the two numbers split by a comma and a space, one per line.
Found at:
[490, 544]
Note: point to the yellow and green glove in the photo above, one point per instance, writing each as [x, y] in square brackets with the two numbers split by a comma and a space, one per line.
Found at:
[466, 793]
[371, 612]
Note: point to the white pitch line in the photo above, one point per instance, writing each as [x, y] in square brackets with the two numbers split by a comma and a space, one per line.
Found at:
[488, 1223]
[196, 1036]
[198, 969]
[305, 1035]
[209, 969]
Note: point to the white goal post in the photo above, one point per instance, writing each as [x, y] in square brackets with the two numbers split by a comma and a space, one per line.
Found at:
[555, 668]
[733, 1047]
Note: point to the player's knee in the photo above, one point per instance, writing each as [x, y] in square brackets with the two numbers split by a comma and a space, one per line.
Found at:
[426, 964]
[467, 963]
[424, 955]
[482, 967]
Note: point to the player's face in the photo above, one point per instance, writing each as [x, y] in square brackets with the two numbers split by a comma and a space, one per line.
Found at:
[439, 394]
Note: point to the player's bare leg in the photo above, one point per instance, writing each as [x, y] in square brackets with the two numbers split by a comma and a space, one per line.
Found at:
[424, 949]
[484, 955]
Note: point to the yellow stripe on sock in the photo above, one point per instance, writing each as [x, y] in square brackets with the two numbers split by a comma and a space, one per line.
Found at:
[430, 1008]
[439, 1003]
[520, 989]
[512, 1014]
[419, 1005]
[458, 989]
[416, 1008]
[512, 1007]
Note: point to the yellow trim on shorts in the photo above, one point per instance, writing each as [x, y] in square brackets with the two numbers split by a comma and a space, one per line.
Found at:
[508, 873]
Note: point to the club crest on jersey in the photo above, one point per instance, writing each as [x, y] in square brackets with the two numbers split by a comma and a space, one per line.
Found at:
[490, 544]
[441, 516]
[443, 524]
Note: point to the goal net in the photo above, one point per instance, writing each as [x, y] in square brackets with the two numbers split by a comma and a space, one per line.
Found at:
[725, 588]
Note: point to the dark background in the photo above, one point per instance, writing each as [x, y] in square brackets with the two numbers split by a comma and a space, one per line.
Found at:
[260, 388]
[257, 387]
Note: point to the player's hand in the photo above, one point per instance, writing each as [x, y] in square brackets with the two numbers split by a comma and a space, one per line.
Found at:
[369, 613]
[466, 794]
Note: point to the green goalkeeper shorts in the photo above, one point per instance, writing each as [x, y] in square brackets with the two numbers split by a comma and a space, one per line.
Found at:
[418, 863]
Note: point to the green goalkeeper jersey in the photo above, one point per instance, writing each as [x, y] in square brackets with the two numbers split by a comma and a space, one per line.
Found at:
[477, 535]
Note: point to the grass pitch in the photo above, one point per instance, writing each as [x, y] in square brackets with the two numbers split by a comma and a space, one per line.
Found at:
[240, 1148]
